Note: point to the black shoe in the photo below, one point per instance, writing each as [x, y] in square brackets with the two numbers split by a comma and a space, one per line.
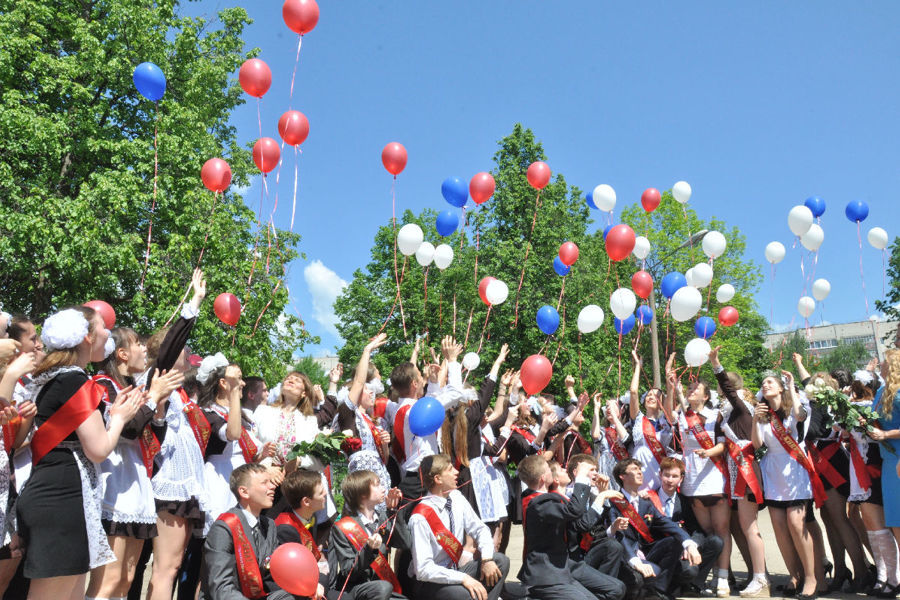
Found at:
[690, 591]
[876, 589]
[837, 582]
[889, 592]
[812, 596]
[787, 590]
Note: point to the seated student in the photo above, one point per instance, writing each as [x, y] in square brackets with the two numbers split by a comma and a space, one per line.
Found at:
[669, 501]
[227, 575]
[546, 568]
[366, 532]
[305, 495]
[652, 540]
[438, 524]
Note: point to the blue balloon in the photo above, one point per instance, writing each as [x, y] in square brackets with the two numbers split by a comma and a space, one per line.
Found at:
[857, 211]
[606, 230]
[547, 319]
[644, 314]
[705, 327]
[561, 269]
[426, 416]
[590, 200]
[455, 191]
[623, 327]
[816, 205]
[149, 81]
[446, 222]
[671, 283]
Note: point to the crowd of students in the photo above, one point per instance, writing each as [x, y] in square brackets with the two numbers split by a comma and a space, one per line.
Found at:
[125, 462]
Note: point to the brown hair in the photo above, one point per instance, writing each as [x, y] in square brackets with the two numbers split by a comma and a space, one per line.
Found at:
[356, 487]
[15, 329]
[123, 337]
[455, 434]
[240, 477]
[298, 485]
[670, 462]
[431, 467]
[154, 342]
[305, 405]
[576, 460]
[66, 356]
[622, 466]
[207, 395]
[402, 378]
[531, 468]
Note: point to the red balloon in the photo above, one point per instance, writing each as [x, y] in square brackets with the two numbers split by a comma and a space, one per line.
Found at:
[266, 154]
[293, 127]
[642, 284]
[568, 253]
[538, 174]
[216, 175]
[228, 308]
[294, 569]
[106, 312]
[255, 77]
[482, 289]
[300, 16]
[481, 187]
[728, 316]
[650, 199]
[394, 158]
[535, 373]
[619, 242]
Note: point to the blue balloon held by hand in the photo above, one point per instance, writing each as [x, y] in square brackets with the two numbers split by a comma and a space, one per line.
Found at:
[623, 327]
[590, 200]
[446, 223]
[705, 327]
[426, 416]
[455, 191]
[857, 211]
[816, 205]
[560, 267]
[547, 319]
[644, 314]
[671, 283]
[149, 81]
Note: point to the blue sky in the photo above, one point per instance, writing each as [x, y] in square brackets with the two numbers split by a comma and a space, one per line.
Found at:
[758, 105]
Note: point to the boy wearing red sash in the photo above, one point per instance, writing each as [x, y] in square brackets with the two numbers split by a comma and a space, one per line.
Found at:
[240, 542]
[305, 495]
[438, 525]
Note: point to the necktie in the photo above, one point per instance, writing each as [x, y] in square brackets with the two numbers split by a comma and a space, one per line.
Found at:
[670, 507]
[448, 506]
[257, 536]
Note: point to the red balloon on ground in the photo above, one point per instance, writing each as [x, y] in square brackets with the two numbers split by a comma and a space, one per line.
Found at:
[619, 242]
[568, 253]
[216, 175]
[255, 77]
[300, 16]
[728, 316]
[393, 157]
[294, 569]
[293, 127]
[106, 312]
[482, 289]
[481, 187]
[642, 284]
[650, 199]
[228, 308]
[266, 154]
[538, 175]
[535, 373]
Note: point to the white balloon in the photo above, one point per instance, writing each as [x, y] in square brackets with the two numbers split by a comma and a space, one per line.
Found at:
[681, 191]
[604, 197]
[696, 352]
[590, 318]
[813, 237]
[799, 219]
[689, 277]
[641, 247]
[774, 252]
[725, 292]
[622, 302]
[820, 289]
[714, 244]
[878, 237]
[471, 361]
[806, 306]
[685, 303]
[703, 275]
[443, 256]
[496, 292]
[409, 238]
[425, 254]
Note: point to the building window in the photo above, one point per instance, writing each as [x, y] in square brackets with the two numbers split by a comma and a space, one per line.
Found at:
[822, 344]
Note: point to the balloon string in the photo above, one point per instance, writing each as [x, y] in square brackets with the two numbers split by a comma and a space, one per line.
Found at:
[153, 204]
[465, 224]
[772, 296]
[425, 301]
[440, 311]
[269, 227]
[468, 328]
[537, 204]
[277, 284]
[296, 178]
[294, 75]
[861, 274]
[562, 290]
[484, 328]
[394, 305]
[619, 357]
[454, 314]
[396, 275]
[710, 287]
[580, 374]
[477, 240]
[561, 337]
[883, 270]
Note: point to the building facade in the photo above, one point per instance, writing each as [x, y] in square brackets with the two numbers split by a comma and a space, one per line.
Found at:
[876, 336]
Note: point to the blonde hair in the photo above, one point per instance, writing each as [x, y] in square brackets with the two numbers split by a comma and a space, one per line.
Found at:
[305, 404]
[455, 435]
[892, 384]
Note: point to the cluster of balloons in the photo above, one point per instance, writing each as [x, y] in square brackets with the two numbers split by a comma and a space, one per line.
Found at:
[493, 291]
[411, 241]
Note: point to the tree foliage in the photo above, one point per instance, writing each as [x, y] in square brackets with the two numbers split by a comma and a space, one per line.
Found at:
[890, 306]
[77, 170]
[309, 367]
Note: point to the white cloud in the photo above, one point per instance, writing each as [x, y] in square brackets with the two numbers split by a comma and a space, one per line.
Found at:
[324, 286]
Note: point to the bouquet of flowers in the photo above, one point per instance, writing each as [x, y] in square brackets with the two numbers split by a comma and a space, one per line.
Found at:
[351, 445]
[325, 446]
[841, 411]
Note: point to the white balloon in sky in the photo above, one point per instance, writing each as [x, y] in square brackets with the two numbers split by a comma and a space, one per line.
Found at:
[641, 247]
[425, 253]
[604, 197]
[813, 237]
[806, 306]
[820, 289]
[471, 361]
[799, 219]
[622, 302]
[681, 191]
[775, 252]
[878, 237]
[725, 292]
[409, 238]
[696, 352]
[443, 256]
[496, 292]
[590, 318]
[703, 275]
[689, 277]
[685, 303]
[714, 244]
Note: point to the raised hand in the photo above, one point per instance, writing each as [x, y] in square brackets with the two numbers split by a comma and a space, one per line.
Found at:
[504, 352]
[8, 347]
[714, 357]
[198, 284]
[549, 421]
[164, 384]
[337, 371]
[392, 501]
[569, 382]
[636, 358]
[377, 341]
[127, 403]
[450, 349]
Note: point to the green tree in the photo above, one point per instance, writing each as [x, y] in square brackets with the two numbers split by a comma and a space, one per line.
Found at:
[781, 356]
[845, 356]
[77, 173]
[309, 367]
[890, 306]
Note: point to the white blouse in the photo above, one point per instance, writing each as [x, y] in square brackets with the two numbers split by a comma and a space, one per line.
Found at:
[285, 430]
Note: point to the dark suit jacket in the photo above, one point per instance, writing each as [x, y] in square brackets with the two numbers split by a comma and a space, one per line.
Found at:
[660, 526]
[683, 515]
[592, 523]
[342, 555]
[546, 520]
[218, 578]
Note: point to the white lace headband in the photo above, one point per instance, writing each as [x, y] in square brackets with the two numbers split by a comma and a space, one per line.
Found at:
[208, 365]
[63, 330]
[863, 376]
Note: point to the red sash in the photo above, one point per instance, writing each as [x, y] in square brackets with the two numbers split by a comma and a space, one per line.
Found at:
[289, 518]
[376, 437]
[148, 441]
[793, 448]
[444, 536]
[248, 571]
[10, 431]
[525, 433]
[743, 459]
[197, 420]
[398, 444]
[659, 453]
[627, 510]
[64, 421]
[653, 495]
[615, 444]
[864, 472]
[248, 448]
[702, 437]
[822, 459]
[380, 407]
[358, 536]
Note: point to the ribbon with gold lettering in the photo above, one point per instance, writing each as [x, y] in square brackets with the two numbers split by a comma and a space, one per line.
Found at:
[249, 574]
[627, 510]
[290, 518]
[652, 441]
[743, 459]
[797, 453]
[702, 436]
[444, 536]
[197, 420]
[357, 537]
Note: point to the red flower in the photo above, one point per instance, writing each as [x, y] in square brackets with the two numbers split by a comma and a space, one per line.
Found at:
[351, 445]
